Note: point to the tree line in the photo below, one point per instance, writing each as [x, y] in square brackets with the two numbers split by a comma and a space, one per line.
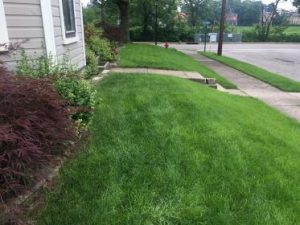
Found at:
[178, 20]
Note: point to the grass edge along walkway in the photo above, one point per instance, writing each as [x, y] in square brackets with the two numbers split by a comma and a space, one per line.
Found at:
[150, 56]
[276, 80]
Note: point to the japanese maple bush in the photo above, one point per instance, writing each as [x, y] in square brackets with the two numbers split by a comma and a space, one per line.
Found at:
[34, 127]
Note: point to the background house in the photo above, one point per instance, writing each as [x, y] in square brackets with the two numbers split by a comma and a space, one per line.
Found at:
[231, 18]
[54, 27]
[294, 18]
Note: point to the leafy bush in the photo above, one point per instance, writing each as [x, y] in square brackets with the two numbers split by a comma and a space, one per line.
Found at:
[63, 75]
[80, 95]
[98, 44]
[92, 64]
[90, 30]
[101, 48]
[43, 66]
[34, 126]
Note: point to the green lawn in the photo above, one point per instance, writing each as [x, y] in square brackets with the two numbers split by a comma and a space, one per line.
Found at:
[149, 56]
[273, 79]
[165, 150]
[293, 30]
[241, 29]
[289, 30]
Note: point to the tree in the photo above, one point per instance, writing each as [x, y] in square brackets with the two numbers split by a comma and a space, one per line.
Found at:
[142, 14]
[249, 13]
[267, 17]
[142, 22]
[197, 10]
[296, 3]
[108, 12]
[123, 6]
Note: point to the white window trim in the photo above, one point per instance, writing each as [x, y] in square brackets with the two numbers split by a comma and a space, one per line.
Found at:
[48, 27]
[82, 33]
[66, 40]
[3, 31]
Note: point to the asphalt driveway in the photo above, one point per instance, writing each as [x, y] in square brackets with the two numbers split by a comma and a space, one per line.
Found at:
[280, 58]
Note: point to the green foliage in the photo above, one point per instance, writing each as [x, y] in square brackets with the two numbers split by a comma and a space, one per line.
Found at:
[248, 12]
[142, 55]
[91, 14]
[273, 79]
[277, 34]
[296, 3]
[43, 66]
[91, 68]
[80, 94]
[143, 20]
[64, 77]
[197, 11]
[179, 153]
[90, 30]
[102, 48]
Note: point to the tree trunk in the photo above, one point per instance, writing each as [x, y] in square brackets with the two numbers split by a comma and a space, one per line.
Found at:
[145, 32]
[274, 11]
[124, 17]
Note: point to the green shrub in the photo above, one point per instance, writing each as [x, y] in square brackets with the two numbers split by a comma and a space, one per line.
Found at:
[80, 95]
[102, 48]
[43, 66]
[91, 68]
[68, 84]
[98, 44]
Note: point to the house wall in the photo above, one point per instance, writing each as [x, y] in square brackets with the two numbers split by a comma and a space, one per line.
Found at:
[24, 24]
[75, 51]
[294, 19]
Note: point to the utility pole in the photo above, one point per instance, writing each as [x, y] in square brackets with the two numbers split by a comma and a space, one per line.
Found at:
[222, 28]
[156, 22]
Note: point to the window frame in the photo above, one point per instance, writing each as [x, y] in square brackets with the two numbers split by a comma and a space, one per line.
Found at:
[4, 38]
[68, 40]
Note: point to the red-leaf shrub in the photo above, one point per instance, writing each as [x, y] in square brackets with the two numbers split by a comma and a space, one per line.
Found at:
[34, 126]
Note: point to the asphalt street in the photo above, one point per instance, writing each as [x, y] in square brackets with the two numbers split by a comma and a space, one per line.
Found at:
[281, 58]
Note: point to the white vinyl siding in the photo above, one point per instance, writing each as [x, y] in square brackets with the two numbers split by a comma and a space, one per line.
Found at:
[24, 25]
[73, 49]
[3, 29]
[25, 22]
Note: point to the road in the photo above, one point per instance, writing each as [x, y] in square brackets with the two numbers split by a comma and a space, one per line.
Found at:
[279, 58]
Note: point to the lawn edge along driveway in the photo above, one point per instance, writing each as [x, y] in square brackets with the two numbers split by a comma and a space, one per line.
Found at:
[150, 56]
[276, 80]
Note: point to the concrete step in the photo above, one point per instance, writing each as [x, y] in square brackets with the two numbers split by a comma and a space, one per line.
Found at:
[211, 81]
[199, 80]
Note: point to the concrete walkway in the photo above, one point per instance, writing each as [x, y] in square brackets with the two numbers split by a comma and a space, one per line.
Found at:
[175, 73]
[288, 103]
[194, 76]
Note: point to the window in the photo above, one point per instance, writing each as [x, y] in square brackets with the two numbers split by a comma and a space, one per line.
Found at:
[3, 31]
[68, 21]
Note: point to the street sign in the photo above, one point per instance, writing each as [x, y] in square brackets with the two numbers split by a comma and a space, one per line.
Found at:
[206, 23]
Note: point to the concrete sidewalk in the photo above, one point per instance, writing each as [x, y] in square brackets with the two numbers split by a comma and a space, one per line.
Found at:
[194, 76]
[288, 103]
[175, 73]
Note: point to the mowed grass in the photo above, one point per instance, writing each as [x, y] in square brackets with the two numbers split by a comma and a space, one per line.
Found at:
[289, 30]
[149, 56]
[273, 79]
[292, 30]
[169, 151]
